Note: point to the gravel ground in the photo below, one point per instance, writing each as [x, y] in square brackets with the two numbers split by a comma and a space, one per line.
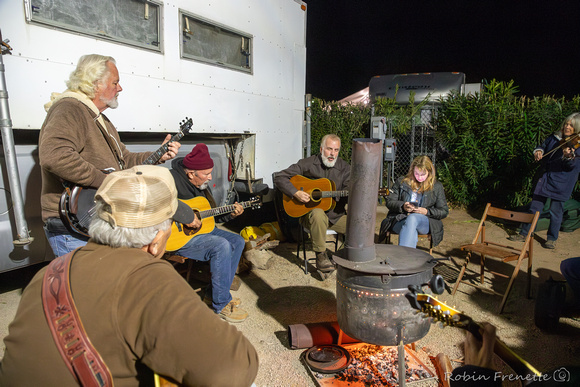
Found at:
[284, 295]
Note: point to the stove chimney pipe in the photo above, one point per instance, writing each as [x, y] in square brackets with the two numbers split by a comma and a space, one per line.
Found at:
[362, 202]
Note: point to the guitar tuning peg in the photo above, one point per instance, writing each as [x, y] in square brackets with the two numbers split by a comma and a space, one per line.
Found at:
[440, 325]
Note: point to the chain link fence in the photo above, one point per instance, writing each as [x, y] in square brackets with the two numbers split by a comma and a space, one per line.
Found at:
[418, 141]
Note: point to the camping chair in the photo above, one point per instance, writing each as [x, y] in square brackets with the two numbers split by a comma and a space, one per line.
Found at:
[428, 236]
[506, 253]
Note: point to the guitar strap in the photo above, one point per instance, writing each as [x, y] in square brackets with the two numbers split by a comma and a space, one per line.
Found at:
[111, 141]
[81, 358]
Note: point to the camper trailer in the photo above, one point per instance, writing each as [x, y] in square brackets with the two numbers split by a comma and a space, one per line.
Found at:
[236, 68]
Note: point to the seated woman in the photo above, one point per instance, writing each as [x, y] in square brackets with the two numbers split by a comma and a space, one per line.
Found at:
[416, 205]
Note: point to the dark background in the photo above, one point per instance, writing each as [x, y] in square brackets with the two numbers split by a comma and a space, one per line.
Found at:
[534, 43]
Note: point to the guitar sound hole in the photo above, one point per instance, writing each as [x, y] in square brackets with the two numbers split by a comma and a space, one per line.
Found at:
[316, 195]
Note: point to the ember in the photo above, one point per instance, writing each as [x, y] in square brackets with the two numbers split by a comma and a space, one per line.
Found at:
[379, 366]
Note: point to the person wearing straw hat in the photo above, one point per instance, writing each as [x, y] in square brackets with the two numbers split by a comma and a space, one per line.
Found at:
[140, 315]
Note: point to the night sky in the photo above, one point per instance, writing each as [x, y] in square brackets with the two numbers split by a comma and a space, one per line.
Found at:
[534, 43]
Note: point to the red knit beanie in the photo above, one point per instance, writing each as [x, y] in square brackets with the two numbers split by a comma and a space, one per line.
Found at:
[198, 159]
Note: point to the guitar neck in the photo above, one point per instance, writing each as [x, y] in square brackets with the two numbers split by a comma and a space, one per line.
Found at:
[156, 156]
[518, 364]
[334, 194]
[222, 210]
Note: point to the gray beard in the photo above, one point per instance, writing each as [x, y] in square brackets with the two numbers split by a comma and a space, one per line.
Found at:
[327, 163]
[204, 186]
[113, 103]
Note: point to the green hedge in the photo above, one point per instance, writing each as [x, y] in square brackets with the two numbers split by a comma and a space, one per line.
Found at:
[487, 139]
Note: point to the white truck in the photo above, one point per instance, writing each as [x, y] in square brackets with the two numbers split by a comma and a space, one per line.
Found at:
[236, 67]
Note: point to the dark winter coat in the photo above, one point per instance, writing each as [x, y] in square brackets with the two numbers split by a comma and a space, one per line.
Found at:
[434, 201]
[560, 176]
[186, 190]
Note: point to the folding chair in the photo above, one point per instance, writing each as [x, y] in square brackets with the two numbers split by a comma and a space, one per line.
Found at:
[506, 253]
[304, 232]
[428, 236]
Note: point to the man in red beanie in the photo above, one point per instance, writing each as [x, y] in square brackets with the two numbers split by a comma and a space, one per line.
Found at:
[222, 249]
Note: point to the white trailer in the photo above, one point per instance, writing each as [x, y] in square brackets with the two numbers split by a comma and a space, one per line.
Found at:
[236, 67]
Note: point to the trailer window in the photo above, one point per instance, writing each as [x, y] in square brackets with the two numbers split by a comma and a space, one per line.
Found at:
[134, 22]
[213, 43]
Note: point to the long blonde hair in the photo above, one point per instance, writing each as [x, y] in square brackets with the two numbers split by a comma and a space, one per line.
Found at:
[423, 163]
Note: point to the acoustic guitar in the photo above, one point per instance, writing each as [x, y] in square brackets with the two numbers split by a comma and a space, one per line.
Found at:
[181, 234]
[76, 207]
[322, 193]
[439, 311]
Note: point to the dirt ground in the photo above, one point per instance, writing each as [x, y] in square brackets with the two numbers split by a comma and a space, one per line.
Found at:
[284, 295]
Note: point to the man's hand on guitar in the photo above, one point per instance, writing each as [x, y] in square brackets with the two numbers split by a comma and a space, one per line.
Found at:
[238, 210]
[302, 196]
[195, 225]
[172, 151]
[480, 353]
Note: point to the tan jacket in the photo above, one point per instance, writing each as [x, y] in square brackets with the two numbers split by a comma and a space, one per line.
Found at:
[138, 312]
[74, 146]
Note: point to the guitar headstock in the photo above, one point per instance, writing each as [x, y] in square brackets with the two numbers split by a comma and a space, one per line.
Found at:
[185, 125]
[439, 311]
[384, 191]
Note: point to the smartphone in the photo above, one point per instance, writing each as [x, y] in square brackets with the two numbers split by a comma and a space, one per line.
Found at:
[414, 204]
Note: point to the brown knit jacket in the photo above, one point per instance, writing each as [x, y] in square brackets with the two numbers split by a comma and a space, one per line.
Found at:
[73, 147]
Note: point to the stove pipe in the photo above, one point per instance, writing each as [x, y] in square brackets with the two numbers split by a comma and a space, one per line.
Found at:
[362, 202]
[372, 280]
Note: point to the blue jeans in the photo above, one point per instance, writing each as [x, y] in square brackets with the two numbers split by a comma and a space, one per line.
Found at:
[223, 250]
[556, 216]
[409, 229]
[61, 241]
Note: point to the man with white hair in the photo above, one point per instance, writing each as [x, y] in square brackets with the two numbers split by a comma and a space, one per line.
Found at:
[327, 165]
[78, 144]
[139, 314]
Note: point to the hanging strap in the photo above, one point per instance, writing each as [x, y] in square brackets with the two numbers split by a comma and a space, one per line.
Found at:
[81, 358]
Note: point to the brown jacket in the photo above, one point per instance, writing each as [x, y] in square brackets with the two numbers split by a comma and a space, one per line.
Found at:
[73, 146]
[138, 312]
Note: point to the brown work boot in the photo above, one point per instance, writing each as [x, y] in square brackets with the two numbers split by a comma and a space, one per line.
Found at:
[233, 314]
[323, 263]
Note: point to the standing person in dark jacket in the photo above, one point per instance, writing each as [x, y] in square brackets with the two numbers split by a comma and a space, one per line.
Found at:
[562, 165]
[416, 205]
[223, 249]
[325, 165]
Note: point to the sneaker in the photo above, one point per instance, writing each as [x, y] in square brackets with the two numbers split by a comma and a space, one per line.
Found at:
[517, 238]
[550, 245]
[235, 301]
[233, 314]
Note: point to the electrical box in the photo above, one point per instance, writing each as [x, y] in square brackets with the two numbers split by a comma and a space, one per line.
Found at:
[378, 127]
[390, 149]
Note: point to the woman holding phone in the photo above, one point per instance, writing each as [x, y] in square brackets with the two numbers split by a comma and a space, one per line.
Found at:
[416, 205]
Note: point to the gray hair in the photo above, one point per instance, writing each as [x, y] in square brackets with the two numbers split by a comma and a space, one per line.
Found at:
[574, 120]
[90, 70]
[327, 137]
[102, 232]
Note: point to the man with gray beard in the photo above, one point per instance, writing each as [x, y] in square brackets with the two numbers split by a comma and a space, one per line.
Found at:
[327, 165]
[79, 145]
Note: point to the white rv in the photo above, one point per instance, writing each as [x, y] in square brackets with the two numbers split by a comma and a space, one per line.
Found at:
[236, 67]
